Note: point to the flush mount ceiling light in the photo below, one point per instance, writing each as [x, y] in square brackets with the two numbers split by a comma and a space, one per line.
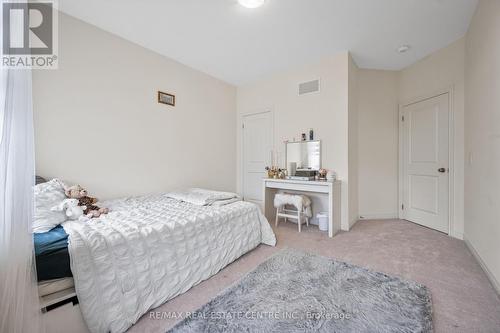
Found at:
[251, 3]
[404, 48]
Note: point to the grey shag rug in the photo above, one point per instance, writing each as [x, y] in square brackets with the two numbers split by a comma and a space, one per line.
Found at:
[295, 291]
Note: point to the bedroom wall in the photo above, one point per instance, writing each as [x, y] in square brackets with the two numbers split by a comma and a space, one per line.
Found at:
[326, 112]
[482, 137]
[431, 75]
[97, 121]
[377, 93]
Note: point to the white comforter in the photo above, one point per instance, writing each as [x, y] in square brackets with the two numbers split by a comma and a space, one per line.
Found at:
[150, 249]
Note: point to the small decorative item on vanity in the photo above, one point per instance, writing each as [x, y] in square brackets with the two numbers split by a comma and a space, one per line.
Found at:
[292, 167]
[322, 174]
[303, 175]
[165, 98]
[276, 173]
[311, 134]
[330, 176]
[304, 138]
[272, 172]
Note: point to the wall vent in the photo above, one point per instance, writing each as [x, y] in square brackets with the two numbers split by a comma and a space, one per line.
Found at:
[309, 87]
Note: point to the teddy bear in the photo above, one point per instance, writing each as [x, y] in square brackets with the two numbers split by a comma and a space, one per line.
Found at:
[71, 208]
[91, 210]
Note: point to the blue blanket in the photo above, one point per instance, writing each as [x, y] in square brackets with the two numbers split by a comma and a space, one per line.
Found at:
[52, 256]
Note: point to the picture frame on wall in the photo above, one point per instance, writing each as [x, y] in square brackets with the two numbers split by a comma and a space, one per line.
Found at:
[165, 98]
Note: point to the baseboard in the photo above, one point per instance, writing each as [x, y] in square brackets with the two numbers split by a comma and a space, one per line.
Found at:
[382, 216]
[494, 282]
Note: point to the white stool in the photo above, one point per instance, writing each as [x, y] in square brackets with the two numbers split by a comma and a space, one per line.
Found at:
[301, 202]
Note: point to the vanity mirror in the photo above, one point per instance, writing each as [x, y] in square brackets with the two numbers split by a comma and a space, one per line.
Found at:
[305, 154]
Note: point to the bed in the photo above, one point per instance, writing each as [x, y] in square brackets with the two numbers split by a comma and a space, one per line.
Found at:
[149, 249]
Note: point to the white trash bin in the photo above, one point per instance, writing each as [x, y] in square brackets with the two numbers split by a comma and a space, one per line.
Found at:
[322, 221]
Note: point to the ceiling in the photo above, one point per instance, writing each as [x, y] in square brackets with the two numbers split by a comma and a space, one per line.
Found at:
[240, 45]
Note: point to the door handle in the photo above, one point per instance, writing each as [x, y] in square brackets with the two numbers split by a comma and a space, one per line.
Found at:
[442, 170]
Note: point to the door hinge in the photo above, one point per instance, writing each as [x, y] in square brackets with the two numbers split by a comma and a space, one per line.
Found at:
[402, 207]
[403, 118]
[243, 125]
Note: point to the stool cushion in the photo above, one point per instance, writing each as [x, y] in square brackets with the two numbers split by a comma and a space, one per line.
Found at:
[299, 201]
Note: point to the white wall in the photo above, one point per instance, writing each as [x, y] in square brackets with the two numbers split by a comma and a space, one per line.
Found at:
[325, 112]
[433, 74]
[377, 143]
[482, 137]
[97, 121]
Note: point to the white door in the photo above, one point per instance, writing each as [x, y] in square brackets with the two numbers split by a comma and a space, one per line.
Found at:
[257, 148]
[425, 145]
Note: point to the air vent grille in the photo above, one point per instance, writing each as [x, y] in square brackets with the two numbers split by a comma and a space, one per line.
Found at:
[309, 87]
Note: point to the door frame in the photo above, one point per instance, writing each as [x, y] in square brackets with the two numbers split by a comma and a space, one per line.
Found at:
[269, 110]
[451, 152]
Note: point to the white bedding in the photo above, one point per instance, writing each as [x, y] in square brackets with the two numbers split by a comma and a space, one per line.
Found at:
[203, 197]
[150, 249]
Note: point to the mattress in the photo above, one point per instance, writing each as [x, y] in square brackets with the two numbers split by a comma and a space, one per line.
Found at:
[52, 256]
[53, 286]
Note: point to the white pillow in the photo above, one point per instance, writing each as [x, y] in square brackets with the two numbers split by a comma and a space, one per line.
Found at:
[48, 195]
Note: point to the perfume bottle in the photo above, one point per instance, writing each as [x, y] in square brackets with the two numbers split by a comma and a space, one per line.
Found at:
[311, 134]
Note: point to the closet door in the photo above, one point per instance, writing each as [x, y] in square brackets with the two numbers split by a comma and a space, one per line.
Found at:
[257, 134]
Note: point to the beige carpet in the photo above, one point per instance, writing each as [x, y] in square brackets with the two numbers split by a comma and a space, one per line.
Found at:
[463, 299]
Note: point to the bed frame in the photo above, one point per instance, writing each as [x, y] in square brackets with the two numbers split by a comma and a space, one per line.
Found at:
[61, 310]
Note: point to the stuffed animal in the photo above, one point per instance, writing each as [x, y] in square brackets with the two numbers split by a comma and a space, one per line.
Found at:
[71, 208]
[91, 210]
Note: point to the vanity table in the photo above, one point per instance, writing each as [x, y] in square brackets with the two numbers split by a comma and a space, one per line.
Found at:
[305, 157]
[327, 188]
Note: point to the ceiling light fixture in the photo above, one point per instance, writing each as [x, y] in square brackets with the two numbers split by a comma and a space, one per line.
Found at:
[251, 3]
[404, 48]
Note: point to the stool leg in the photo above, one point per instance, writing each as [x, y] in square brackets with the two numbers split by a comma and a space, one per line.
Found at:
[298, 219]
[277, 217]
[307, 221]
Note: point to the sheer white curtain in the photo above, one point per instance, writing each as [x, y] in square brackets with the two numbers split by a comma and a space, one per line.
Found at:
[19, 303]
